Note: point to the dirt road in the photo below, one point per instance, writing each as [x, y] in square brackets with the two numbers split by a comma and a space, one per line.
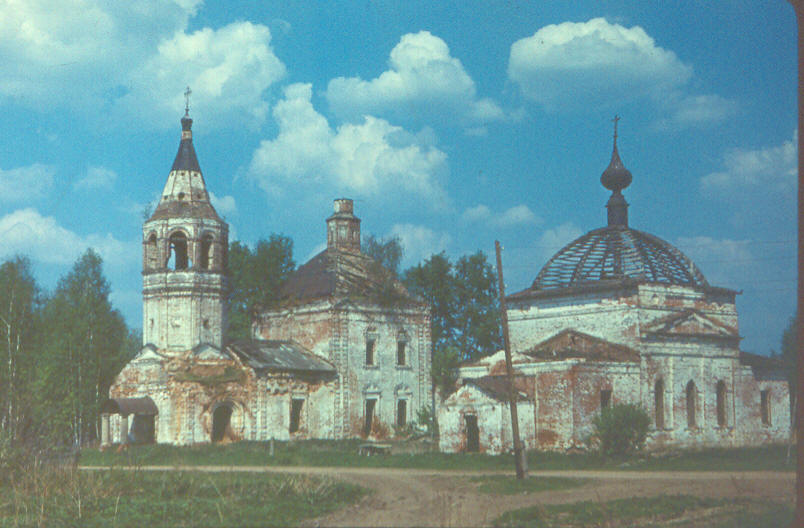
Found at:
[416, 497]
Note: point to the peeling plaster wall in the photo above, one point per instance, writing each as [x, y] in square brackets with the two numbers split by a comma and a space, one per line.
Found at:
[493, 422]
[339, 334]
[565, 394]
[260, 403]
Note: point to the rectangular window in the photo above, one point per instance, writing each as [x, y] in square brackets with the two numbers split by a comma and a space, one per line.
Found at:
[605, 398]
[371, 403]
[401, 347]
[401, 413]
[370, 343]
[764, 407]
[295, 414]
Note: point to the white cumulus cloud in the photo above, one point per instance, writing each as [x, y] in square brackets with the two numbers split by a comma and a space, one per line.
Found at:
[423, 77]
[224, 205]
[135, 58]
[43, 239]
[513, 216]
[372, 158]
[774, 168]
[419, 242]
[96, 178]
[25, 183]
[227, 69]
[598, 62]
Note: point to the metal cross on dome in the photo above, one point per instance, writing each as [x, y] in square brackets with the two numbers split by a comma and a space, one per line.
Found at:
[187, 101]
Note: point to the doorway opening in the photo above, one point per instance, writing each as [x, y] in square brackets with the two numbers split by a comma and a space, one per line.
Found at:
[221, 418]
[472, 433]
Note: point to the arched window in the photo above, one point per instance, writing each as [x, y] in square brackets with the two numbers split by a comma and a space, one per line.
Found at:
[721, 403]
[658, 403]
[205, 258]
[692, 403]
[177, 259]
[152, 252]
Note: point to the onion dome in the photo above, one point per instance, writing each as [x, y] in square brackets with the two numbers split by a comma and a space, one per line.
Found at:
[617, 252]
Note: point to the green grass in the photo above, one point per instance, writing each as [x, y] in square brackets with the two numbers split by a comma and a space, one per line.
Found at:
[343, 453]
[666, 510]
[176, 499]
[505, 485]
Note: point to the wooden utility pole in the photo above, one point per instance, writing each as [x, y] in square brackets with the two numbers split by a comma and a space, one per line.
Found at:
[798, 519]
[519, 454]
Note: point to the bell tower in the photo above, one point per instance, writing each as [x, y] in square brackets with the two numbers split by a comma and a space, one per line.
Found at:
[184, 260]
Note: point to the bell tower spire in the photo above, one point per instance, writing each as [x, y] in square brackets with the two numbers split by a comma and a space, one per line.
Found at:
[184, 258]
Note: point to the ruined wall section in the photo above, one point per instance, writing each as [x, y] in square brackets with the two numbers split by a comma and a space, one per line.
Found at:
[493, 422]
[612, 317]
[340, 335]
[384, 379]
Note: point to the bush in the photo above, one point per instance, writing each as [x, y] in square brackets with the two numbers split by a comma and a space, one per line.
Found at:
[621, 429]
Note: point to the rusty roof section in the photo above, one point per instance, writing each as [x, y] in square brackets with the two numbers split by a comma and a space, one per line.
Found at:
[185, 194]
[497, 387]
[338, 275]
[273, 355]
[126, 406]
[571, 344]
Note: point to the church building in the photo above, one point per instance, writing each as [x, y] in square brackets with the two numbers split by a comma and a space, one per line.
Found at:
[620, 316]
[346, 354]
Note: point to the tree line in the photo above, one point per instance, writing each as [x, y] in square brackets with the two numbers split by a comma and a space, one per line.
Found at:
[60, 352]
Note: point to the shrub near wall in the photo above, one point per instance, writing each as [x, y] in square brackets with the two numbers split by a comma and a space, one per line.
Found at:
[621, 429]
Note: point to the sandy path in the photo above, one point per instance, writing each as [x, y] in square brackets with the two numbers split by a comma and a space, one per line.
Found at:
[416, 497]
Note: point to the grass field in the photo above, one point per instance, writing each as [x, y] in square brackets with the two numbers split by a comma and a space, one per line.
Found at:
[64, 498]
[676, 511]
[344, 454]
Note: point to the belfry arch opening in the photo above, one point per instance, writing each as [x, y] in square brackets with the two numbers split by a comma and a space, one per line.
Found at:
[221, 421]
[152, 252]
[178, 258]
[205, 257]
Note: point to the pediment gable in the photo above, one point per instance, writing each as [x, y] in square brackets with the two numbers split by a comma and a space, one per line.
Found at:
[148, 353]
[569, 344]
[689, 323]
[207, 352]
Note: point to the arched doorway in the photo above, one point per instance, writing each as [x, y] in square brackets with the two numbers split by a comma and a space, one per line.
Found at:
[221, 420]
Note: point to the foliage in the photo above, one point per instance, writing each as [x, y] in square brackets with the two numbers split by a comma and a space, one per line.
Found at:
[20, 306]
[87, 345]
[387, 252]
[52, 496]
[255, 279]
[343, 453]
[621, 429]
[465, 313]
[508, 485]
[425, 420]
[646, 511]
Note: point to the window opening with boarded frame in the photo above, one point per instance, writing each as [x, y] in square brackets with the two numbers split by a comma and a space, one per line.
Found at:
[605, 399]
[371, 404]
[764, 407]
[296, 405]
[721, 403]
[658, 403]
[401, 413]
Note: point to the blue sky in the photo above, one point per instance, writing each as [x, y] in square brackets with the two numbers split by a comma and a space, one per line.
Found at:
[451, 124]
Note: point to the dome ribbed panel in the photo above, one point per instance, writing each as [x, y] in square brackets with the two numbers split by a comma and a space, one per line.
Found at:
[617, 253]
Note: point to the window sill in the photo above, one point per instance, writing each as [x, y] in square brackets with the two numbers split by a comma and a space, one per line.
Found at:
[404, 367]
[371, 367]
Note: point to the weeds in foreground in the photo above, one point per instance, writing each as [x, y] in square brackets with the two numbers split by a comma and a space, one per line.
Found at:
[59, 496]
[665, 510]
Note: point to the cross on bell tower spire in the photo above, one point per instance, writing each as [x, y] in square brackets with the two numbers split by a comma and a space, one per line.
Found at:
[187, 102]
